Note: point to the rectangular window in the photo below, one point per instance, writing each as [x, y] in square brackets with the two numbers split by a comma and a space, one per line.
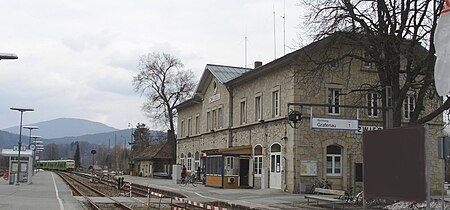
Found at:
[220, 116]
[358, 172]
[197, 124]
[367, 65]
[243, 112]
[373, 100]
[208, 121]
[276, 103]
[257, 165]
[333, 164]
[189, 164]
[229, 163]
[258, 108]
[189, 127]
[334, 99]
[408, 106]
[214, 117]
[182, 129]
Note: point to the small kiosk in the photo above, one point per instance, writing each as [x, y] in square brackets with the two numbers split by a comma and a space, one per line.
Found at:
[229, 167]
[26, 163]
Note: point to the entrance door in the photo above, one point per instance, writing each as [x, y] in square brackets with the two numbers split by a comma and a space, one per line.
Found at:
[275, 166]
[243, 172]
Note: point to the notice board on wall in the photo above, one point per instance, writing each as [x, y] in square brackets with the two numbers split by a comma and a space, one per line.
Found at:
[308, 168]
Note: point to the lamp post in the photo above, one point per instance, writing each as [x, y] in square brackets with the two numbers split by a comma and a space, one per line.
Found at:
[30, 128]
[34, 148]
[21, 110]
[8, 56]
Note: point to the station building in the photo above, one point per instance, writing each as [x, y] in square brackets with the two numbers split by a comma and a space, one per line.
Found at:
[235, 125]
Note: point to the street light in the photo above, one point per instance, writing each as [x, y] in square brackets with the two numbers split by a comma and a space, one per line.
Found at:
[30, 128]
[21, 110]
[8, 56]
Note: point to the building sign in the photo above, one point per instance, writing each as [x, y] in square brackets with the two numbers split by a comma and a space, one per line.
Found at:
[334, 124]
[214, 97]
[308, 168]
[364, 128]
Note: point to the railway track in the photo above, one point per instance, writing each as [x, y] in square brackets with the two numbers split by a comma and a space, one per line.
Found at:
[83, 189]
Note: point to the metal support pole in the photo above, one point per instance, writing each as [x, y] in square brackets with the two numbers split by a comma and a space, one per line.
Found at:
[427, 174]
[443, 182]
[20, 148]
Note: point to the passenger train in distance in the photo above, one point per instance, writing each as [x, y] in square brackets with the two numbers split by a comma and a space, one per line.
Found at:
[61, 165]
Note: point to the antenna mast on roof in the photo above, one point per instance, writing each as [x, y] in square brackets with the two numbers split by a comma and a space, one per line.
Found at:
[274, 35]
[245, 51]
[284, 27]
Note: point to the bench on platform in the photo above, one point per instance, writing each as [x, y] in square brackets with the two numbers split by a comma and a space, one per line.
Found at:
[328, 195]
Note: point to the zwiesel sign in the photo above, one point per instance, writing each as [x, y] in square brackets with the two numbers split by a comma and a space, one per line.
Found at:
[334, 124]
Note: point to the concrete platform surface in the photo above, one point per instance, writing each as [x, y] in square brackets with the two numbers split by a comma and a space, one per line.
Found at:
[47, 191]
[255, 198]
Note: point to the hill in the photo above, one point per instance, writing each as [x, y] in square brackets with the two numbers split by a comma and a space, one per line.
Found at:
[8, 140]
[104, 138]
[65, 127]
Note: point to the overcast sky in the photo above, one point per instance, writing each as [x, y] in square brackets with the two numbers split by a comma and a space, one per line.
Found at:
[77, 58]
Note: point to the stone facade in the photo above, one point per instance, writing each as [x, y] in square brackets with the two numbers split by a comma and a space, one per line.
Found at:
[285, 77]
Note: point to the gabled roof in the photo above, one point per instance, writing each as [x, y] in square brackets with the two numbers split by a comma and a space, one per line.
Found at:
[161, 150]
[226, 73]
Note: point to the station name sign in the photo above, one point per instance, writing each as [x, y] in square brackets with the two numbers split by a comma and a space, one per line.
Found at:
[334, 124]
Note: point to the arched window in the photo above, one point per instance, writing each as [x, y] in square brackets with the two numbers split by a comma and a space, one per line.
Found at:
[182, 159]
[275, 148]
[189, 161]
[334, 160]
[196, 161]
[258, 160]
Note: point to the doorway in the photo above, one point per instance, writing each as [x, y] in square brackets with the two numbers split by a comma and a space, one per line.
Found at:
[243, 172]
[275, 166]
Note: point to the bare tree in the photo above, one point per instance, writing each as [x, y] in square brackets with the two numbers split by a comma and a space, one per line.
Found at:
[396, 37]
[52, 152]
[164, 81]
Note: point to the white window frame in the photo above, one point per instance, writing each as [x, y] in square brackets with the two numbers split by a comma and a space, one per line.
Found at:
[189, 162]
[408, 106]
[214, 119]
[258, 107]
[373, 103]
[220, 117]
[182, 128]
[276, 103]
[229, 163]
[208, 121]
[333, 164]
[258, 165]
[189, 126]
[197, 123]
[182, 159]
[243, 111]
[331, 99]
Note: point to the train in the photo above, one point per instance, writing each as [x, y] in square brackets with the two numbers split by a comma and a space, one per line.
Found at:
[61, 165]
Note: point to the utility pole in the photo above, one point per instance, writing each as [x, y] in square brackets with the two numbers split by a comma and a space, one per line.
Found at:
[284, 28]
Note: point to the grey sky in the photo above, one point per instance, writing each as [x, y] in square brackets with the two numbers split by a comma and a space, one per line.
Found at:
[77, 58]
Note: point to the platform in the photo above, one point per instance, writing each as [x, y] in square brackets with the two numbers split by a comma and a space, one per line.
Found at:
[255, 198]
[47, 191]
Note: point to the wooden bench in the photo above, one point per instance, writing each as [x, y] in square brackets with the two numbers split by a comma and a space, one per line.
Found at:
[328, 195]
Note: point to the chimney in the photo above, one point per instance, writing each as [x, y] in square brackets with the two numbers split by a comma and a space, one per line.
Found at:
[258, 64]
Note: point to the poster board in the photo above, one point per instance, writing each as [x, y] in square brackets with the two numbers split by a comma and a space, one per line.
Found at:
[308, 168]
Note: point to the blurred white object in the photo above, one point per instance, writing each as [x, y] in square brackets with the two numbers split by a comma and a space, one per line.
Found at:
[442, 43]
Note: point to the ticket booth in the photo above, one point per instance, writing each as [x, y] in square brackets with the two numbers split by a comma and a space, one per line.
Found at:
[229, 167]
[26, 163]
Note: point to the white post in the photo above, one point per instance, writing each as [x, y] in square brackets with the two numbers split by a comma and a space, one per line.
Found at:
[148, 196]
[130, 188]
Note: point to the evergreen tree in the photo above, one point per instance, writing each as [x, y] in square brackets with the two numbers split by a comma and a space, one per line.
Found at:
[77, 156]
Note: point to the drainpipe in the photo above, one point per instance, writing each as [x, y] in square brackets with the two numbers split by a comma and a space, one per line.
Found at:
[230, 116]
